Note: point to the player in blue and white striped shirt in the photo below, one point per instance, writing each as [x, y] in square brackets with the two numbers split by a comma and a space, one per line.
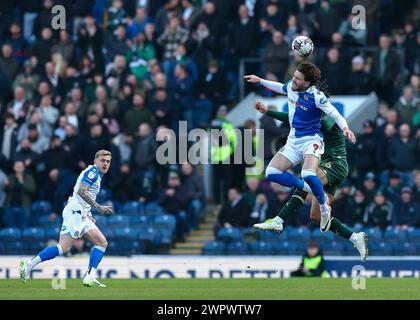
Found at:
[78, 221]
[306, 104]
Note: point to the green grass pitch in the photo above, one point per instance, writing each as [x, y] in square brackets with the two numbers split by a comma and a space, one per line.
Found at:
[216, 289]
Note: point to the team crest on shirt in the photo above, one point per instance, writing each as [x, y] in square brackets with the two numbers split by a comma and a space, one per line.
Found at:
[323, 100]
[306, 97]
[91, 175]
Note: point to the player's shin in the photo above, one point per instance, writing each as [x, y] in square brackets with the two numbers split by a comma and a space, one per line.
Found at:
[46, 254]
[297, 199]
[315, 184]
[340, 229]
[94, 260]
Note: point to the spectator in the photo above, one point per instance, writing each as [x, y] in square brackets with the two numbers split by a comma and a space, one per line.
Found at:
[313, 264]
[126, 186]
[195, 186]
[116, 15]
[355, 209]
[359, 81]
[406, 211]
[64, 47]
[20, 190]
[365, 149]
[183, 95]
[416, 187]
[252, 190]
[392, 191]
[19, 44]
[385, 69]
[144, 156]
[379, 212]
[259, 211]
[276, 55]
[42, 47]
[174, 200]
[138, 114]
[402, 154]
[95, 140]
[331, 68]
[138, 24]
[240, 46]
[4, 182]
[163, 108]
[124, 143]
[58, 180]
[8, 64]
[213, 86]
[369, 186]
[8, 137]
[25, 154]
[19, 105]
[327, 22]
[117, 43]
[90, 41]
[234, 213]
[173, 36]
[407, 106]
[28, 80]
[353, 36]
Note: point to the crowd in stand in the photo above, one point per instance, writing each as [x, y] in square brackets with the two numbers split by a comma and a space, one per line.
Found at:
[125, 70]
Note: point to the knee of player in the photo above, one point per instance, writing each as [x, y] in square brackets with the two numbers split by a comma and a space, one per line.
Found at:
[271, 171]
[308, 173]
[64, 248]
[103, 244]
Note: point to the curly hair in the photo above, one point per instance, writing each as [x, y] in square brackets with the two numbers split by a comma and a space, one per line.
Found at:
[312, 74]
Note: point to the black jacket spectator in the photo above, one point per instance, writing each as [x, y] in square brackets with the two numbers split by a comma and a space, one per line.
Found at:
[379, 213]
[403, 151]
[365, 149]
[406, 211]
[236, 212]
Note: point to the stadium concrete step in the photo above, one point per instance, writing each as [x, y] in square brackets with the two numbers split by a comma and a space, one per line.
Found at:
[198, 238]
[189, 245]
[192, 252]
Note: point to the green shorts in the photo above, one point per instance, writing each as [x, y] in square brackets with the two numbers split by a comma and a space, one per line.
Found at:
[336, 169]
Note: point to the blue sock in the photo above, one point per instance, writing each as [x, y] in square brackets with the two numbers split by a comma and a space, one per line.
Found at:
[50, 252]
[96, 257]
[316, 186]
[284, 178]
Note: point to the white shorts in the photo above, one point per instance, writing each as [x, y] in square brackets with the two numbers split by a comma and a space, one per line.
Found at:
[296, 148]
[74, 224]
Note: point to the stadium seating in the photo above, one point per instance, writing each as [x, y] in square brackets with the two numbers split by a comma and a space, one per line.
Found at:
[213, 248]
[395, 235]
[104, 195]
[374, 234]
[150, 237]
[236, 248]
[250, 235]
[118, 221]
[165, 220]
[10, 235]
[322, 237]
[140, 221]
[229, 234]
[332, 248]
[132, 208]
[261, 248]
[413, 235]
[45, 222]
[299, 234]
[41, 208]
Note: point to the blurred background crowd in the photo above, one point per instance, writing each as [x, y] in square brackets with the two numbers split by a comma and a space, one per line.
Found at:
[125, 71]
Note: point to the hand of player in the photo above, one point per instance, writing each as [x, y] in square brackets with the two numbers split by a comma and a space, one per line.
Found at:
[260, 107]
[252, 78]
[105, 210]
[349, 135]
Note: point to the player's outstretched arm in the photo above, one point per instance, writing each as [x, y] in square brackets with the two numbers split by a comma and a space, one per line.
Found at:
[272, 85]
[325, 105]
[282, 116]
[83, 193]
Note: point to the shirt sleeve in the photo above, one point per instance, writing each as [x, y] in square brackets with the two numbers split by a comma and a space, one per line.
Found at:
[327, 107]
[275, 86]
[90, 177]
[282, 116]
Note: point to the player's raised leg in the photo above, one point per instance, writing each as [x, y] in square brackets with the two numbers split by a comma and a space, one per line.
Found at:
[359, 239]
[309, 169]
[63, 246]
[100, 244]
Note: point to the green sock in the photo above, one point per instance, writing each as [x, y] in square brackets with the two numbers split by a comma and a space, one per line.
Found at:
[297, 199]
[340, 229]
